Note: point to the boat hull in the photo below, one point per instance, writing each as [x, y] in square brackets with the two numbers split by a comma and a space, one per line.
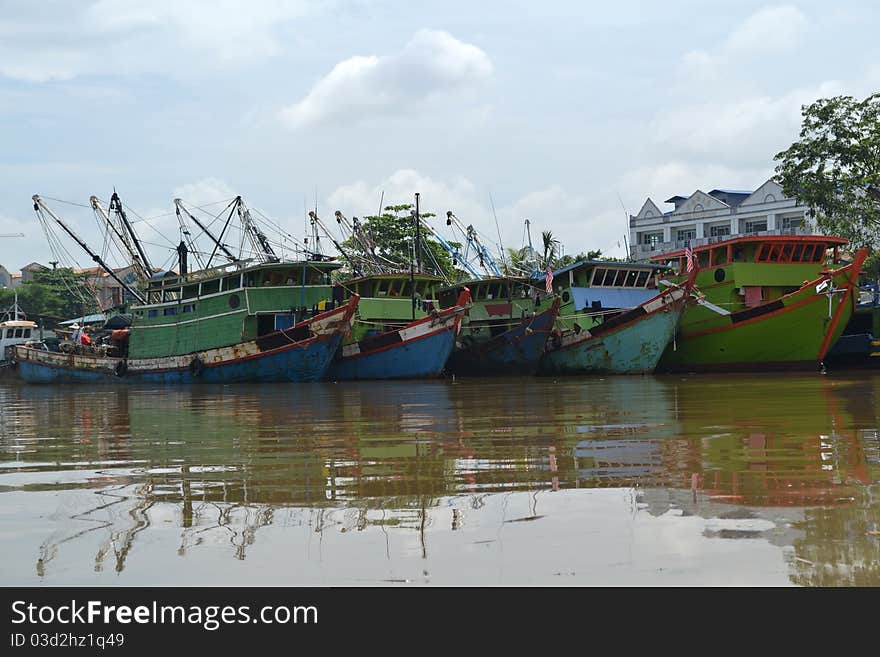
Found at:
[631, 343]
[418, 350]
[516, 351]
[794, 332]
[276, 357]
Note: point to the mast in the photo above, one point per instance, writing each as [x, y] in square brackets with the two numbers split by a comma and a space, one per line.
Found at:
[319, 224]
[40, 207]
[178, 204]
[116, 206]
[531, 249]
[136, 259]
[416, 256]
[260, 242]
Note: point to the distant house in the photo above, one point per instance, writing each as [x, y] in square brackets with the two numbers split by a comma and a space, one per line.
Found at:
[5, 278]
[28, 271]
[721, 213]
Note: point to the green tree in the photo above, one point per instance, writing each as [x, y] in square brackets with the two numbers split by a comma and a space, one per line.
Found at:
[53, 295]
[551, 246]
[392, 236]
[834, 167]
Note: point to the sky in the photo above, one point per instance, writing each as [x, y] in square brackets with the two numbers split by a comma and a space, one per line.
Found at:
[568, 114]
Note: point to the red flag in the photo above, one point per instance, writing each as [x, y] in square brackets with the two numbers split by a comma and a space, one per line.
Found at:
[548, 278]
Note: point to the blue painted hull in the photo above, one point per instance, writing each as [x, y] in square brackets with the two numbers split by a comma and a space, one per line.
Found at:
[414, 359]
[516, 351]
[634, 348]
[300, 364]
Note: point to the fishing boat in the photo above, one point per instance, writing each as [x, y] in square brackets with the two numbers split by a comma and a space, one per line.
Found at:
[242, 321]
[220, 326]
[765, 301]
[14, 330]
[506, 327]
[399, 330]
[613, 318]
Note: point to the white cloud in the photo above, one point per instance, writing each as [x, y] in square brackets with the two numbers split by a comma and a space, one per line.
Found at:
[129, 36]
[768, 31]
[433, 63]
[581, 223]
[204, 192]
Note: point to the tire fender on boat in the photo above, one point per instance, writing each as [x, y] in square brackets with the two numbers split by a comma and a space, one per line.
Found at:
[196, 366]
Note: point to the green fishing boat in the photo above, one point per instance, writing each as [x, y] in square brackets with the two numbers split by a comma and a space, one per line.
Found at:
[766, 302]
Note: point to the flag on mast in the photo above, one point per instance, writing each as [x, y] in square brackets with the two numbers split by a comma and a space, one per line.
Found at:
[548, 279]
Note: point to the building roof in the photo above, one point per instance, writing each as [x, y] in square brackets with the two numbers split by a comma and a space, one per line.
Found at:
[747, 192]
[673, 199]
[88, 319]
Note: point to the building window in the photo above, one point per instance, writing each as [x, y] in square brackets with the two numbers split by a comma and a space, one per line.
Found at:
[719, 231]
[756, 225]
[652, 239]
[789, 223]
[769, 198]
[686, 234]
[698, 207]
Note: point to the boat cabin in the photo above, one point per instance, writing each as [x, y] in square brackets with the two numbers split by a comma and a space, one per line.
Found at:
[13, 332]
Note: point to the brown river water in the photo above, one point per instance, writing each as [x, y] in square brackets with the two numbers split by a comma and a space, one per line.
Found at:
[704, 480]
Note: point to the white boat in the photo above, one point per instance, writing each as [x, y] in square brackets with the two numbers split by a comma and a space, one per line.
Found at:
[15, 330]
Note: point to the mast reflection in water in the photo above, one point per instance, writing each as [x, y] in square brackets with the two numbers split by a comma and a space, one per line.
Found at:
[629, 480]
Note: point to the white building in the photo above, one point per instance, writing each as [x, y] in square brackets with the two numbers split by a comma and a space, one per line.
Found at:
[701, 218]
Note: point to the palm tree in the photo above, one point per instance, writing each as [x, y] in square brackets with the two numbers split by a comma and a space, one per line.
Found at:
[550, 246]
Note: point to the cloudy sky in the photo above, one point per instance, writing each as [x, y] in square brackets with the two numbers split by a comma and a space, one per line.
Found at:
[559, 112]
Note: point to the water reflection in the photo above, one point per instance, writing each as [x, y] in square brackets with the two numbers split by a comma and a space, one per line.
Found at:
[437, 476]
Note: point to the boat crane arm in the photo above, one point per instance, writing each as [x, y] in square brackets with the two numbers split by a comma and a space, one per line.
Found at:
[320, 224]
[257, 237]
[40, 207]
[178, 205]
[121, 236]
[470, 234]
[456, 255]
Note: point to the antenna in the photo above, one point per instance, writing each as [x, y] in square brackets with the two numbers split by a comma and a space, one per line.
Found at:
[625, 214]
[498, 230]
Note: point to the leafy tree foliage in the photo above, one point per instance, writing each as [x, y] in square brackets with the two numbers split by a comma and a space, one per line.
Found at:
[53, 295]
[834, 167]
[392, 236]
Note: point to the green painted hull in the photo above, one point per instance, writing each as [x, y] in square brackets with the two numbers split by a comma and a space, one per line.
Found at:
[793, 331]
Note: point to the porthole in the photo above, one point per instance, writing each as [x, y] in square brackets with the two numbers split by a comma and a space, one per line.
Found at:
[719, 275]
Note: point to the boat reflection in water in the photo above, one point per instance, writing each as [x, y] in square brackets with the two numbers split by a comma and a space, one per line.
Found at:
[618, 480]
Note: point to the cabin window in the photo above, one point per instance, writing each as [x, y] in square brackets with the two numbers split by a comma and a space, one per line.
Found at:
[796, 252]
[171, 295]
[190, 291]
[609, 277]
[27, 333]
[153, 313]
[808, 253]
[406, 289]
[19, 332]
[819, 254]
[703, 258]
[719, 256]
[642, 280]
[620, 277]
[505, 290]
[211, 287]
[774, 253]
[786, 253]
[232, 282]
[170, 311]
[189, 308]
[598, 275]
[10, 333]
[631, 279]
